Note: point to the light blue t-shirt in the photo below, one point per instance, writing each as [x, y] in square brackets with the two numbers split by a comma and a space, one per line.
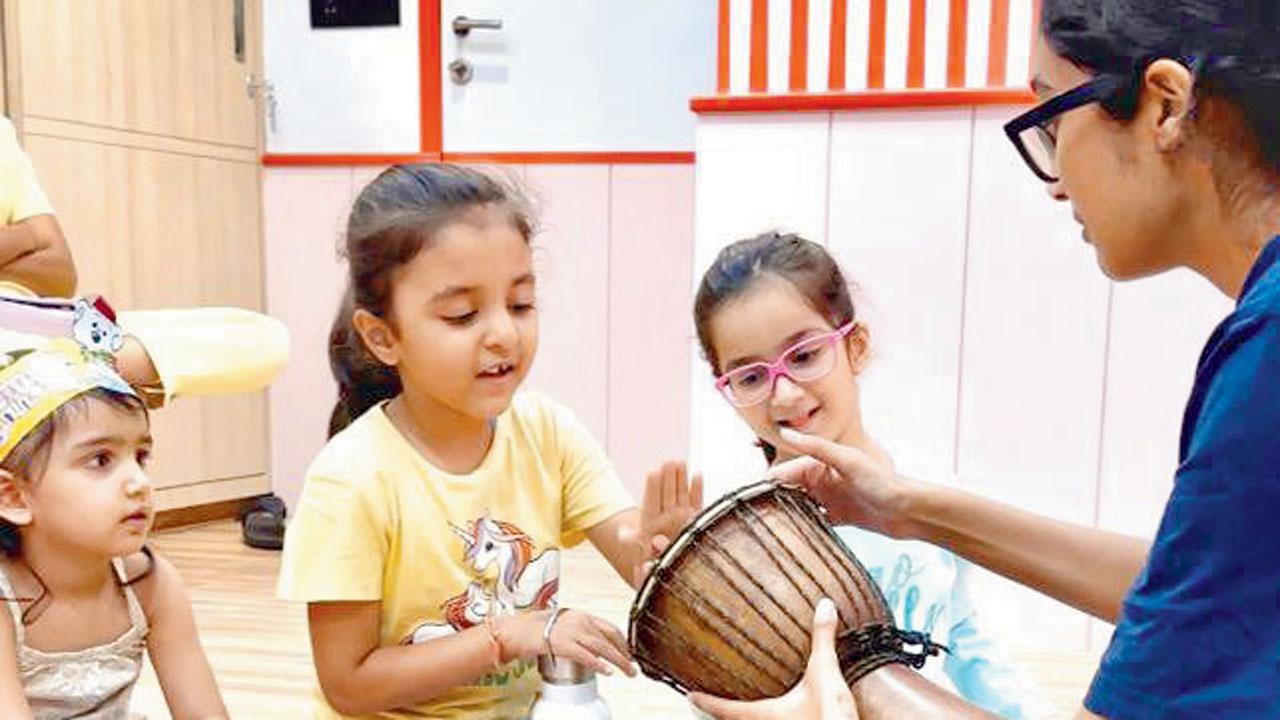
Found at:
[927, 590]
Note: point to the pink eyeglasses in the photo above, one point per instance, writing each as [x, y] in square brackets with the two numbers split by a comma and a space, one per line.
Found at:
[808, 360]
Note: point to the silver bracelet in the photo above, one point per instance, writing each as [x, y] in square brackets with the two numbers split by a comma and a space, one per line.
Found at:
[546, 631]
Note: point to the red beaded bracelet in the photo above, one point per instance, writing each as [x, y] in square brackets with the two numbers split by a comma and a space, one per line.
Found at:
[495, 644]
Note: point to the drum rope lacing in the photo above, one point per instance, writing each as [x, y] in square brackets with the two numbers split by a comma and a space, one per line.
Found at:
[869, 648]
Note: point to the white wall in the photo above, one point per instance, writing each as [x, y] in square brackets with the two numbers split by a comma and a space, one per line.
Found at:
[341, 90]
[562, 75]
[1000, 352]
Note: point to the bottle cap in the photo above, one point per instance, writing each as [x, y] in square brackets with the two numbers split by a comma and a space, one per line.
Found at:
[559, 671]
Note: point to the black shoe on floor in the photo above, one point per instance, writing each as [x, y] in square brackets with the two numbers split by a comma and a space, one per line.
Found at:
[264, 524]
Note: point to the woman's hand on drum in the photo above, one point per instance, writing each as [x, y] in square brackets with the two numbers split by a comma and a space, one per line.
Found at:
[578, 636]
[671, 501]
[854, 487]
[820, 695]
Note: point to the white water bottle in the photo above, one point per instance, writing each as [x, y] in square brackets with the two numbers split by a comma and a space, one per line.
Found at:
[568, 692]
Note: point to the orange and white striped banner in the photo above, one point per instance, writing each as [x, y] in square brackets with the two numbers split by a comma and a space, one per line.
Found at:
[822, 46]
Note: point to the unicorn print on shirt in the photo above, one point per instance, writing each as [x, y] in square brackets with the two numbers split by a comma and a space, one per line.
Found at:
[460, 612]
[523, 582]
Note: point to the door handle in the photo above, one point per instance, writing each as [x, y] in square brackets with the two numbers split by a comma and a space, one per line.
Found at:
[462, 25]
[237, 24]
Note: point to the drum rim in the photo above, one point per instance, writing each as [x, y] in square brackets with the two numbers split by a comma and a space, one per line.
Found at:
[668, 557]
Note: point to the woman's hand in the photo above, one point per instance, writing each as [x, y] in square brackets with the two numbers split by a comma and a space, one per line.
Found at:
[820, 695]
[854, 488]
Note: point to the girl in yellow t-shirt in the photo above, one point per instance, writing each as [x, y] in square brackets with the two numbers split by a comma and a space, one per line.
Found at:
[427, 540]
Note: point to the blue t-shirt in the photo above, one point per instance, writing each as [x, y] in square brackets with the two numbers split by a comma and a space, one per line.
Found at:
[1199, 633]
[927, 588]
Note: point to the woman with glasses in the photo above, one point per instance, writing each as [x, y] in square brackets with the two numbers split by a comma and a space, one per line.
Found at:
[1161, 125]
[776, 322]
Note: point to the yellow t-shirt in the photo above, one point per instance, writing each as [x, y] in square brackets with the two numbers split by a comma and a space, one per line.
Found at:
[20, 193]
[377, 522]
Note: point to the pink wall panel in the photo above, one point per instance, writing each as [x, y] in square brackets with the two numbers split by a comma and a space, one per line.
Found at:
[650, 317]
[571, 257]
[303, 213]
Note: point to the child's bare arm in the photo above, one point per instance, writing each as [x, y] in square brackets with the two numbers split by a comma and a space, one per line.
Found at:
[34, 253]
[173, 644]
[631, 538]
[359, 676]
[619, 540]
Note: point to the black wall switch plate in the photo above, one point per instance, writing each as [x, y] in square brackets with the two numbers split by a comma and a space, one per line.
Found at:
[354, 13]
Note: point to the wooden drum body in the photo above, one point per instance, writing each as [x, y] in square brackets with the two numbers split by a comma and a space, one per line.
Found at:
[728, 609]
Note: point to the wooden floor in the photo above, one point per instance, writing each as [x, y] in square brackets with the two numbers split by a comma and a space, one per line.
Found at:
[259, 649]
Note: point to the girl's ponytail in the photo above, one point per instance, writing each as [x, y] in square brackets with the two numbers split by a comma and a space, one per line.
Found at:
[363, 382]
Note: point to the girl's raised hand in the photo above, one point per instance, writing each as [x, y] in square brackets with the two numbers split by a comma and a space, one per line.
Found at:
[671, 501]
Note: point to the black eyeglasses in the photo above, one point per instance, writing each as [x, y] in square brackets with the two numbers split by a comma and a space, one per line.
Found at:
[1035, 132]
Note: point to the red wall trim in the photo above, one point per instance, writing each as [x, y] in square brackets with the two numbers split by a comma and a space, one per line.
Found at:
[572, 158]
[430, 116]
[801, 102]
[497, 158]
[309, 160]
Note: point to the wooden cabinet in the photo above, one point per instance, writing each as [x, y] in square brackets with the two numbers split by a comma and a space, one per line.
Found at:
[137, 117]
[159, 67]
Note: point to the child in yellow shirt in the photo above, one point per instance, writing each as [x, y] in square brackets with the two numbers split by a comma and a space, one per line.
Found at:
[427, 540]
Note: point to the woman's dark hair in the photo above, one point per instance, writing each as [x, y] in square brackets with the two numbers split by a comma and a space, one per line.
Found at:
[806, 265]
[1233, 46]
[29, 459]
[393, 219]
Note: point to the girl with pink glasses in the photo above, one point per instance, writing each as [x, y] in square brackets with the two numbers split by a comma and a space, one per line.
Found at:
[776, 322]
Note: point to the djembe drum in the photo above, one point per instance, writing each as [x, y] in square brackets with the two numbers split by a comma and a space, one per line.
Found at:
[728, 608]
